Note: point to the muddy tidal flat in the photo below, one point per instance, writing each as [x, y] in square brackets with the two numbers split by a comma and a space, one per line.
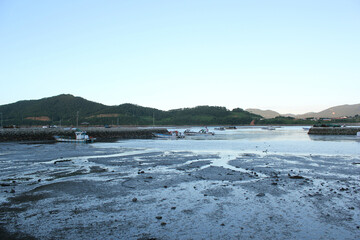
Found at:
[248, 183]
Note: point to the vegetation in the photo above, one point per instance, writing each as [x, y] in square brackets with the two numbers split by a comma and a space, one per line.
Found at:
[69, 110]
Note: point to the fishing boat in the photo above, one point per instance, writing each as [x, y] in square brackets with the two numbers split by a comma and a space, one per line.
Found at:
[169, 135]
[268, 128]
[202, 132]
[80, 137]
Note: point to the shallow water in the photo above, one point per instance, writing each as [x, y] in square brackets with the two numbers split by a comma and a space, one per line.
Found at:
[283, 140]
[237, 184]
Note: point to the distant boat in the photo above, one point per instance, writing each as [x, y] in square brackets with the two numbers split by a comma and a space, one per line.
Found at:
[80, 137]
[202, 132]
[268, 128]
[231, 127]
[219, 128]
[169, 135]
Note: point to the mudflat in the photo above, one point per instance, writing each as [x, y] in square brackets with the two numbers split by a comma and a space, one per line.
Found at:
[103, 191]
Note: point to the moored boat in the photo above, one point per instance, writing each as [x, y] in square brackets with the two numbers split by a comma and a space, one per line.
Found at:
[80, 137]
[202, 132]
[169, 135]
[268, 128]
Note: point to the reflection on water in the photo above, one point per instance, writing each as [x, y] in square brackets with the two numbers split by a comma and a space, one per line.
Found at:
[285, 140]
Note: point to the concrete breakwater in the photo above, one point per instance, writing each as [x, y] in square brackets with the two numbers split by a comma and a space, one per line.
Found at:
[39, 134]
[334, 130]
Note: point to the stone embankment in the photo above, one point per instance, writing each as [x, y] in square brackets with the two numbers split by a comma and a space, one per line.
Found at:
[39, 134]
[334, 130]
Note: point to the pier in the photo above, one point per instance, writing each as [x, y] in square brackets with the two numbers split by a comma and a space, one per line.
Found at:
[334, 130]
[102, 134]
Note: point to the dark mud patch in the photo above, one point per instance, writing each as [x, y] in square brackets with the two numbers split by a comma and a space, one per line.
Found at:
[64, 174]
[5, 235]
[220, 191]
[262, 187]
[221, 174]
[62, 161]
[97, 169]
[7, 207]
[79, 188]
[150, 181]
[28, 197]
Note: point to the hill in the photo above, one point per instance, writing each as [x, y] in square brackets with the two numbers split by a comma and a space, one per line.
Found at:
[334, 112]
[263, 113]
[67, 109]
[52, 109]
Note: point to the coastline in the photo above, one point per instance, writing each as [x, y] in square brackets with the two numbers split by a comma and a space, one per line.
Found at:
[101, 133]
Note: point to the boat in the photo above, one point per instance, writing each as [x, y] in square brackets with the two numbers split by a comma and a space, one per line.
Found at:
[202, 132]
[268, 128]
[231, 127]
[358, 134]
[219, 128]
[80, 137]
[169, 135]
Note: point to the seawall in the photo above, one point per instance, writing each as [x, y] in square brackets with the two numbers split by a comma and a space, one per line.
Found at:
[39, 134]
[334, 130]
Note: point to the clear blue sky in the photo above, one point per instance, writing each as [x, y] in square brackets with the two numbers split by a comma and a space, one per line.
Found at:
[288, 56]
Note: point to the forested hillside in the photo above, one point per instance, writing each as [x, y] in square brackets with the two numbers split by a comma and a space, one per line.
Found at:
[70, 110]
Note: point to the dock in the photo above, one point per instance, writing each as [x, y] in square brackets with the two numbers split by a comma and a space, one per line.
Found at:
[334, 130]
[100, 133]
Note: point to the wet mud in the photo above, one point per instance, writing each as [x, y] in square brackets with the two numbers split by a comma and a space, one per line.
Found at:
[66, 191]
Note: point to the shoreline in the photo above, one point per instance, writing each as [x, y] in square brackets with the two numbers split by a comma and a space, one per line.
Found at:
[47, 134]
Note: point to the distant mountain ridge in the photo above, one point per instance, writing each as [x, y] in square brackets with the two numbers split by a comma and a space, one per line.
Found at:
[347, 110]
[263, 113]
[67, 109]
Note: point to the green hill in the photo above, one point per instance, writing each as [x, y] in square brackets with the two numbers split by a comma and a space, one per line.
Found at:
[48, 110]
[64, 109]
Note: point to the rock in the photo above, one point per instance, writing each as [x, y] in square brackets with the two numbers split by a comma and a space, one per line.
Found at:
[296, 177]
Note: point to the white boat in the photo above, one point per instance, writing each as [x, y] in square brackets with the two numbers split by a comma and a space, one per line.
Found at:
[268, 128]
[358, 134]
[169, 135]
[80, 137]
[202, 132]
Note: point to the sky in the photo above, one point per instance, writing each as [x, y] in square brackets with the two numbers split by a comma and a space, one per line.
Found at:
[287, 56]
